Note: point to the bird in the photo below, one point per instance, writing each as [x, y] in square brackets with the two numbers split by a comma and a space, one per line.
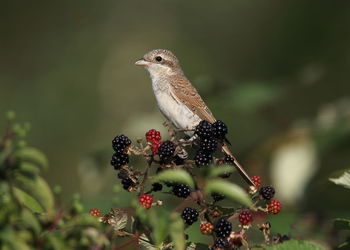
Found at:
[177, 99]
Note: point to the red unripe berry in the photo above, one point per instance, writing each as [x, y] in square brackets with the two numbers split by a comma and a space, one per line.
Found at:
[153, 135]
[256, 180]
[146, 200]
[237, 239]
[245, 217]
[95, 212]
[274, 207]
[206, 227]
[155, 145]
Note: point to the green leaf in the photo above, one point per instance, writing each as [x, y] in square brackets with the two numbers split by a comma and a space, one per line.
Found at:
[216, 171]
[160, 225]
[226, 210]
[29, 168]
[176, 230]
[176, 175]
[33, 155]
[230, 190]
[27, 200]
[293, 245]
[38, 189]
[31, 221]
[343, 180]
[342, 224]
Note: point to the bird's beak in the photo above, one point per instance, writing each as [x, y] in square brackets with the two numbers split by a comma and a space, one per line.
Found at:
[142, 62]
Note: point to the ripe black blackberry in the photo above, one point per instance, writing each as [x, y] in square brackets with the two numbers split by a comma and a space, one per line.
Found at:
[219, 129]
[267, 192]
[204, 129]
[127, 183]
[181, 190]
[157, 187]
[220, 243]
[229, 160]
[123, 175]
[202, 158]
[208, 145]
[119, 160]
[189, 215]
[166, 149]
[120, 143]
[178, 160]
[223, 228]
[217, 197]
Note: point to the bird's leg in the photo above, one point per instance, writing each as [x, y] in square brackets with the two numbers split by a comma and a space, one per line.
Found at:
[167, 123]
[188, 141]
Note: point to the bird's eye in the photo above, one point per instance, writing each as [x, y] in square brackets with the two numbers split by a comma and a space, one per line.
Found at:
[159, 58]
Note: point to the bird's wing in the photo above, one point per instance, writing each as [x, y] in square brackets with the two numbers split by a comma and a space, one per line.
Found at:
[183, 91]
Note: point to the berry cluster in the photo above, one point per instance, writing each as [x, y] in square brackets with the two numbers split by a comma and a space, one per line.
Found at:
[274, 207]
[146, 200]
[127, 182]
[95, 212]
[209, 136]
[181, 190]
[223, 228]
[120, 145]
[153, 136]
[171, 154]
[256, 180]
[245, 217]
[206, 228]
[220, 243]
[267, 192]
[166, 152]
[189, 215]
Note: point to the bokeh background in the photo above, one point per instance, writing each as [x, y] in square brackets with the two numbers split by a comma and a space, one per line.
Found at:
[277, 72]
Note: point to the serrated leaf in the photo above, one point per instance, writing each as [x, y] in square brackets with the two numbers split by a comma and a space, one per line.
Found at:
[176, 230]
[176, 175]
[293, 245]
[216, 171]
[33, 155]
[38, 188]
[230, 190]
[119, 219]
[343, 180]
[342, 224]
[27, 200]
[145, 243]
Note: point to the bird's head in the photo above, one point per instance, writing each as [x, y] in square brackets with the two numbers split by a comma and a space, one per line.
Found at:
[160, 62]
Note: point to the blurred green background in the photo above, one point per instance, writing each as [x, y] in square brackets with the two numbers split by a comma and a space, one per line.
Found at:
[277, 72]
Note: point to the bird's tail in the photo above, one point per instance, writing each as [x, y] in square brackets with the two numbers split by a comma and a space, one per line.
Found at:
[238, 166]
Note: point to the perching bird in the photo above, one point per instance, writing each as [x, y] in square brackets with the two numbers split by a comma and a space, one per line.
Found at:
[176, 98]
